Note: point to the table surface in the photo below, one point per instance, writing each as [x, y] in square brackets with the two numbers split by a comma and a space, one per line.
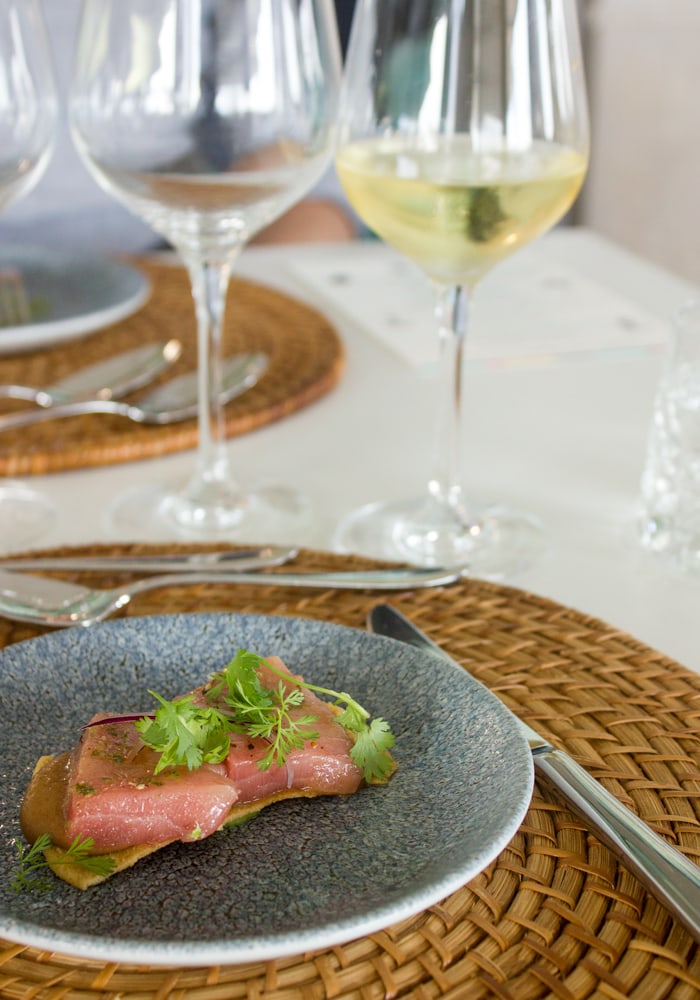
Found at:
[558, 432]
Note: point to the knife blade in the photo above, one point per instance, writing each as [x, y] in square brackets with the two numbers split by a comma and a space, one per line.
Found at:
[222, 561]
[668, 874]
[116, 376]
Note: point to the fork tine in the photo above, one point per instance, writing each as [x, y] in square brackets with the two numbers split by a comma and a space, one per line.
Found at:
[14, 301]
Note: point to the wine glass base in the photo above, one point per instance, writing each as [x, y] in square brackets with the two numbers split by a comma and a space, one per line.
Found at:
[25, 514]
[493, 546]
[274, 514]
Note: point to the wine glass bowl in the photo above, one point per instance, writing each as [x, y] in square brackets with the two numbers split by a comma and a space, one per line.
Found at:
[462, 136]
[28, 115]
[28, 104]
[208, 120]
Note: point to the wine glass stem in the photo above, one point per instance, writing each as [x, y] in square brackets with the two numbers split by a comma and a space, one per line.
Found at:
[452, 311]
[210, 282]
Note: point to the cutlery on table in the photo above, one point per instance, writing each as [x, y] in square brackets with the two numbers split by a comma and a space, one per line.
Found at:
[169, 403]
[671, 877]
[210, 562]
[108, 379]
[57, 603]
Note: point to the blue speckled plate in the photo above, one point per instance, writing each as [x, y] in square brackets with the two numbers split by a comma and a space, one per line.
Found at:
[304, 875]
[70, 294]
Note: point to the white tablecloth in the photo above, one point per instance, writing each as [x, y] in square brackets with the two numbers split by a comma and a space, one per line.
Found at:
[566, 351]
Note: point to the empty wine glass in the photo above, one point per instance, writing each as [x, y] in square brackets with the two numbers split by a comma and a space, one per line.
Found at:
[28, 114]
[209, 119]
[463, 135]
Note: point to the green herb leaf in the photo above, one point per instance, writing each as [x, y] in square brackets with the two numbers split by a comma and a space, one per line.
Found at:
[185, 733]
[373, 740]
[239, 685]
[261, 712]
[188, 734]
[370, 751]
[32, 869]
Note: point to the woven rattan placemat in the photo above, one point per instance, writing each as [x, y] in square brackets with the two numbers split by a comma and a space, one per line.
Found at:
[305, 361]
[555, 916]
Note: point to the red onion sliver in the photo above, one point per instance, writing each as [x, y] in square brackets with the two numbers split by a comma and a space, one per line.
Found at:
[118, 718]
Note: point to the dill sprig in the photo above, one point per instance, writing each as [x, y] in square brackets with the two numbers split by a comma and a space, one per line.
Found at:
[33, 867]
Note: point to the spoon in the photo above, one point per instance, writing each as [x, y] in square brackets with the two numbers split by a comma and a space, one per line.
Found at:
[109, 379]
[169, 403]
[57, 603]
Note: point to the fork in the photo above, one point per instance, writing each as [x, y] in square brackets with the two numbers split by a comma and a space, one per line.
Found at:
[14, 301]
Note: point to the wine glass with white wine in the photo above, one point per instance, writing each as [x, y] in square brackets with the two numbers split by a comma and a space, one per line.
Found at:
[208, 119]
[462, 136]
[28, 115]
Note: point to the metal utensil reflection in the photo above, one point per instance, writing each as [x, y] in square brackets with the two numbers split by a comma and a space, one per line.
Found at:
[170, 403]
[111, 378]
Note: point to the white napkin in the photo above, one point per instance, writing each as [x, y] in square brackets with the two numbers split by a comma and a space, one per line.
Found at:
[528, 310]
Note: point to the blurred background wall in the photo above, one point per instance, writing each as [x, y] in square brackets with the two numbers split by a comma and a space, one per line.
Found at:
[643, 188]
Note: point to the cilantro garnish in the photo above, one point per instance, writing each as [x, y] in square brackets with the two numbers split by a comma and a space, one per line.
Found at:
[373, 739]
[187, 733]
[32, 867]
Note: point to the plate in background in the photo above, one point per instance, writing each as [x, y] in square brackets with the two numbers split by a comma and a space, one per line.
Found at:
[70, 295]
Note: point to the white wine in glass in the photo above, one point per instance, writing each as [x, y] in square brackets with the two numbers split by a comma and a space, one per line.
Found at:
[208, 119]
[462, 136]
[28, 115]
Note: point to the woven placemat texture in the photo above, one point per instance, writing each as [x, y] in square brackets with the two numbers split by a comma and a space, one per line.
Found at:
[305, 354]
[555, 916]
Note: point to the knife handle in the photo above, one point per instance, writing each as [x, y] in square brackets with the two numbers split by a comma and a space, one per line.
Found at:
[669, 875]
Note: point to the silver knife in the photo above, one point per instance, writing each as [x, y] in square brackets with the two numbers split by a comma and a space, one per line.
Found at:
[671, 877]
[222, 561]
[111, 378]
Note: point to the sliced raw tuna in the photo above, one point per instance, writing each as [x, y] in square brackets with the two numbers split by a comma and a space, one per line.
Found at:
[323, 766]
[115, 797]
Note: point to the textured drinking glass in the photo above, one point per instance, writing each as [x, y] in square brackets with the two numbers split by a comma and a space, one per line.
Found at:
[209, 119]
[463, 135]
[670, 522]
[28, 113]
